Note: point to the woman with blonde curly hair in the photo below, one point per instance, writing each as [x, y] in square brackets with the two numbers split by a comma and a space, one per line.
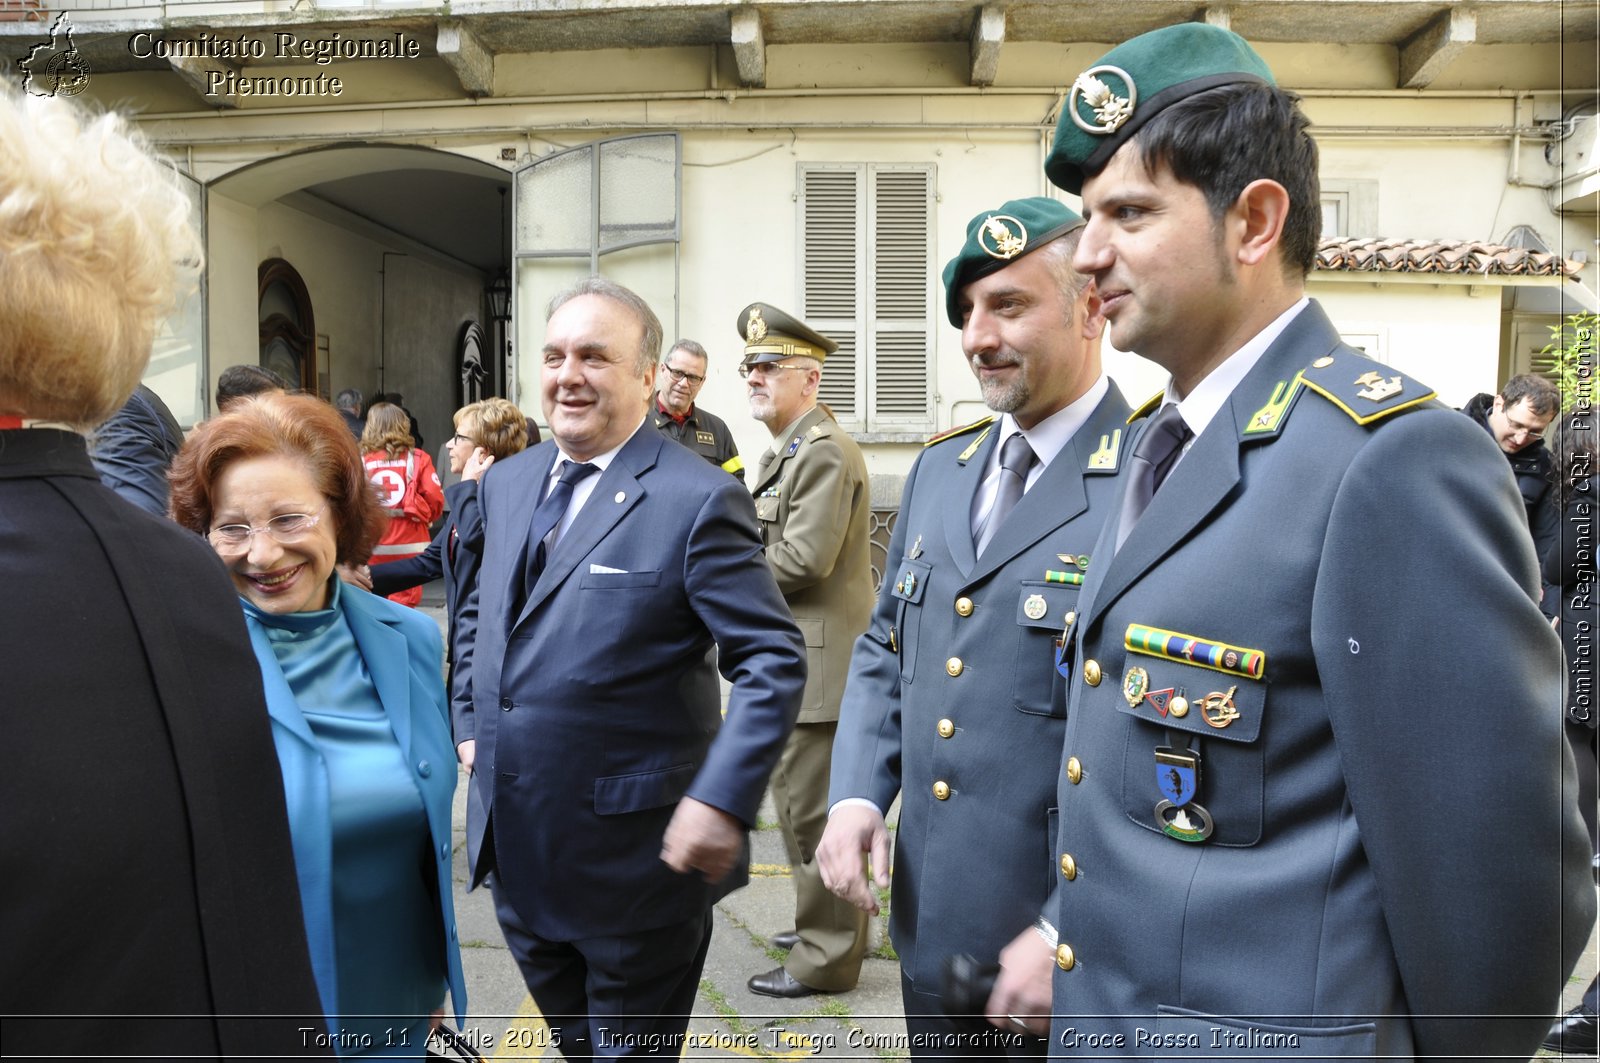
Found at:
[485, 432]
[145, 861]
[408, 488]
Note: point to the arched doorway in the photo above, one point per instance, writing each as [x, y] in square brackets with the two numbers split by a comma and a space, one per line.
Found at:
[288, 328]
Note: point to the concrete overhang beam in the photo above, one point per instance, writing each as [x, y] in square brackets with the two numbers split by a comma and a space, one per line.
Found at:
[988, 34]
[749, 46]
[199, 71]
[466, 56]
[1425, 56]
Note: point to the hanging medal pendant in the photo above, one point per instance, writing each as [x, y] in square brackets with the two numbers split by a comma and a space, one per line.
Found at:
[1178, 779]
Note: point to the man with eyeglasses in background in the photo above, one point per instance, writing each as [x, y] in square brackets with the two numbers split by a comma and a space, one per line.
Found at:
[683, 374]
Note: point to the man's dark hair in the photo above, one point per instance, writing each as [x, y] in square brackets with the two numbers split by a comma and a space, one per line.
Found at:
[1543, 397]
[1221, 139]
[241, 381]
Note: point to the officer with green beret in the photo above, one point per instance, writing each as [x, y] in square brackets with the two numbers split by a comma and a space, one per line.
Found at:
[1311, 792]
[954, 703]
[814, 507]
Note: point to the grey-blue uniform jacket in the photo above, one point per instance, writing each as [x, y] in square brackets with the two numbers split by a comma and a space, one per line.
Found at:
[1337, 579]
[953, 699]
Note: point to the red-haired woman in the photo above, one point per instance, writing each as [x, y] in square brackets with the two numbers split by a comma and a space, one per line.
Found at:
[358, 709]
[408, 489]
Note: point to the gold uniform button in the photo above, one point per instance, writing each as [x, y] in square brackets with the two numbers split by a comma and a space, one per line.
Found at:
[946, 728]
[954, 666]
[1064, 957]
[1091, 672]
[941, 790]
[963, 606]
[1323, 362]
[1069, 867]
[1179, 706]
[1074, 770]
[1072, 617]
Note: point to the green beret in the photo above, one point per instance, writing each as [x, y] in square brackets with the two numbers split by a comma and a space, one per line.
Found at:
[1136, 81]
[996, 238]
[770, 335]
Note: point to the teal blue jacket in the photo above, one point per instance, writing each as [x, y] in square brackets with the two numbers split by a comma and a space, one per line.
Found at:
[414, 700]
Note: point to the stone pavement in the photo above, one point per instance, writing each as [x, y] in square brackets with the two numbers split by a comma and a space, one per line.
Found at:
[729, 1020]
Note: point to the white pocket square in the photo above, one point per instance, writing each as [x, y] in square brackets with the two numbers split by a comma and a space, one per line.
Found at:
[605, 570]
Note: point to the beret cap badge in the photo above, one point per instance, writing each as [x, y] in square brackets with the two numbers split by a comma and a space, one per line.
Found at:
[1003, 236]
[1110, 110]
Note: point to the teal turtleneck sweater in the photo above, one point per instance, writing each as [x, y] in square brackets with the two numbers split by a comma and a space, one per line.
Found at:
[388, 949]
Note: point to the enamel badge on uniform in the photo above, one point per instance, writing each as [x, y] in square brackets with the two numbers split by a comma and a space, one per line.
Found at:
[907, 584]
[1105, 456]
[794, 445]
[705, 438]
[1178, 779]
[1160, 700]
[1218, 708]
[1002, 236]
[1377, 389]
[1134, 684]
[916, 549]
[1034, 608]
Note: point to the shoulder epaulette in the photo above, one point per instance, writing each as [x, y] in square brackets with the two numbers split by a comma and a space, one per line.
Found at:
[982, 422]
[1145, 408]
[1366, 390]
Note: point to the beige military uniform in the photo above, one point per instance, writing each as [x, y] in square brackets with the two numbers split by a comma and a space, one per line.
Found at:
[813, 502]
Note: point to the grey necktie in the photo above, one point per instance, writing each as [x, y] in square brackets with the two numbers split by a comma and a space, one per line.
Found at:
[1016, 458]
[1153, 457]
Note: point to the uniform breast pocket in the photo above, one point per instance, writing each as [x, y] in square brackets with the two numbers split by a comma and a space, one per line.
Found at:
[910, 584]
[1193, 766]
[1042, 608]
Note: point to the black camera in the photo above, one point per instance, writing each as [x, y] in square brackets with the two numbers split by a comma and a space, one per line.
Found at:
[967, 985]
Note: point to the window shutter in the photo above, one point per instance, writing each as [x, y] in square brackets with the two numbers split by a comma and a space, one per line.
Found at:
[831, 242]
[902, 277]
[867, 284]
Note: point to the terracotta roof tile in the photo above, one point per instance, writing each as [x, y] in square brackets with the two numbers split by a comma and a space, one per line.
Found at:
[1367, 255]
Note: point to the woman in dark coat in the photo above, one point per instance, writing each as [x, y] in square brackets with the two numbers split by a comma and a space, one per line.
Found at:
[148, 903]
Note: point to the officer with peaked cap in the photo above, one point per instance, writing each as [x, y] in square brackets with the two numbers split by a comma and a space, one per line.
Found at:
[954, 702]
[814, 506]
[1311, 794]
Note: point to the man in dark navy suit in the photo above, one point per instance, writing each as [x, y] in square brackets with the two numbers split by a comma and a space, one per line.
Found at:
[613, 796]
